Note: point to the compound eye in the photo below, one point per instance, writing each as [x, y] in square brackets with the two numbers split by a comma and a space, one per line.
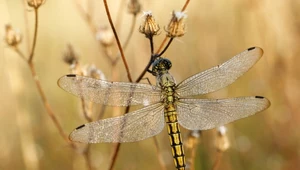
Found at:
[167, 64]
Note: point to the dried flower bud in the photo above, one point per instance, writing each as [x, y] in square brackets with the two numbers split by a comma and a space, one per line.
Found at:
[93, 71]
[105, 36]
[149, 27]
[134, 7]
[69, 55]
[35, 3]
[176, 27]
[222, 142]
[193, 139]
[12, 37]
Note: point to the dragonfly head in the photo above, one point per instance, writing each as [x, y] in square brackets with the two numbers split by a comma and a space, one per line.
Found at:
[160, 66]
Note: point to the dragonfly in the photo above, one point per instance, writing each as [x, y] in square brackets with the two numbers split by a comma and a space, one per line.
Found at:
[165, 103]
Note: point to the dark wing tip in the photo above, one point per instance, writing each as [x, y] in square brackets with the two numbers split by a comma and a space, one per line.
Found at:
[71, 75]
[256, 50]
[79, 127]
[251, 48]
[259, 97]
[267, 102]
[61, 80]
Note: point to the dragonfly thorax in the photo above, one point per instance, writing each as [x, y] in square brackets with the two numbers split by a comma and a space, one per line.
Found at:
[165, 80]
[161, 66]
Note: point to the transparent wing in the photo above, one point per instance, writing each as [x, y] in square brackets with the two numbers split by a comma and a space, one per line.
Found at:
[202, 114]
[110, 93]
[220, 76]
[131, 127]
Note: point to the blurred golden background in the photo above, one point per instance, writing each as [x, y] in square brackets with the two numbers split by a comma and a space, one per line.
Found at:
[216, 31]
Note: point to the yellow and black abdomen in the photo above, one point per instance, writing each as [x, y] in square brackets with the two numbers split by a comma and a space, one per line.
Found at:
[175, 136]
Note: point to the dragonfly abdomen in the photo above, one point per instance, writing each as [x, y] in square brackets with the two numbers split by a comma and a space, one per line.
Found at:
[175, 136]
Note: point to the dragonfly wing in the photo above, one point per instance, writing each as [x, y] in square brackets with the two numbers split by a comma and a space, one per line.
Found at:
[131, 127]
[202, 114]
[220, 76]
[110, 93]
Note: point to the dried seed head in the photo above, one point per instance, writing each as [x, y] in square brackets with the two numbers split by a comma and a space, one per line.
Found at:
[69, 55]
[105, 36]
[93, 71]
[12, 37]
[193, 139]
[134, 7]
[35, 3]
[149, 27]
[176, 27]
[222, 142]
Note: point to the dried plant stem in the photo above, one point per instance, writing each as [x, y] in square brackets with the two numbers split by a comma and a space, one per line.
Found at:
[86, 152]
[149, 63]
[90, 7]
[34, 35]
[114, 156]
[117, 39]
[88, 19]
[47, 105]
[26, 25]
[38, 84]
[130, 32]
[85, 113]
[86, 16]
[119, 15]
[217, 161]
[191, 146]
[166, 47]
[17, 50]
[118, 145]
[162, 45]
[151, 45]
[160, 159]
[185, 5]
[87, 157]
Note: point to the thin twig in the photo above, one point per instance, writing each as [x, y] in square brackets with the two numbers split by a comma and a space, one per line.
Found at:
[149, 63]
[87, 157]
[26, 25]
[119, 15]
[117, 39]
[185, 5]
[20, 53]
[115, 155]
[118, 145]
[151, 45]
[87, 17]
[130, 32]
[34, 35]
[125, 44]
[191, 145]
[166, 47]
[218, 160]
[160, 159]
[162, 45]
[90, 6]
[85, 114]
[47, 105]
[38, 84]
